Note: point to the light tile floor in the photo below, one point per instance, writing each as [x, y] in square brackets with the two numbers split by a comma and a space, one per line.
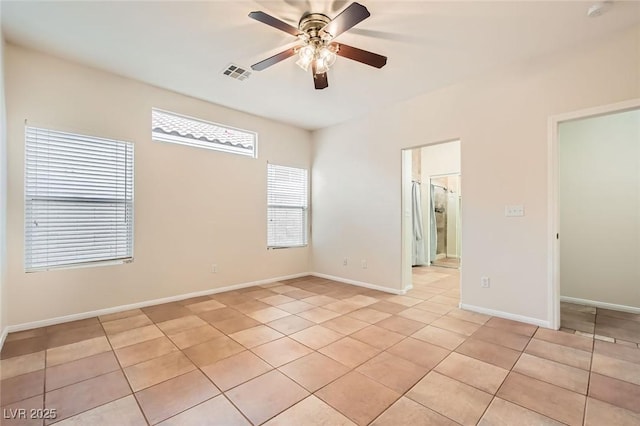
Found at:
[311, 351]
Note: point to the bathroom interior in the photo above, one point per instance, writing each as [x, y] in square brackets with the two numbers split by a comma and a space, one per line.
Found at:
[436, 201]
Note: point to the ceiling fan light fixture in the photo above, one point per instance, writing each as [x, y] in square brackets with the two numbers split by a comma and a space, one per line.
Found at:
[306, 55]
[328, 55]
[325, 58]
[316, 32]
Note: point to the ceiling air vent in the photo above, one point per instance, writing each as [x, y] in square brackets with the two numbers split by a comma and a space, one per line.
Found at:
[236, 72]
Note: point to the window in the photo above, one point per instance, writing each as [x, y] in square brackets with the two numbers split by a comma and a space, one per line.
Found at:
[287, 206]
[174, 128]
[78, 199]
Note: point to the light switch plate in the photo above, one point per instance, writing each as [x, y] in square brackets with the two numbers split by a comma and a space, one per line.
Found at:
[514, 210]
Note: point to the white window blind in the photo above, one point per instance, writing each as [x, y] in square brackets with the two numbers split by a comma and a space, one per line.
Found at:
[287, 199]
[180, 129]
[78, 199]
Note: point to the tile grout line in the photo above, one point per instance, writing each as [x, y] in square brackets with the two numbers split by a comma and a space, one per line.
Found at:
[586, 396]
[337, 378]
[531, 409]
[44, 385]
[123, 373]
[90, 378]
[187, 356]
[421, 378]
[198, 368]
[495, 395]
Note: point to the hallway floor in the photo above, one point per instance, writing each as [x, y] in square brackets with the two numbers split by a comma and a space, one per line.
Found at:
[313, 351]
[602, 324]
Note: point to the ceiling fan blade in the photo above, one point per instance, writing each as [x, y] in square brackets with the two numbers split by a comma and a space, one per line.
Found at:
[363, 56]
[319, 80]
[274, 22]
[349, 17]
[259, 66]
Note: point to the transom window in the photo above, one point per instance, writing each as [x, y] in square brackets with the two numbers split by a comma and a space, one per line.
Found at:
[78, 199]
[175, 128]
[287, 211]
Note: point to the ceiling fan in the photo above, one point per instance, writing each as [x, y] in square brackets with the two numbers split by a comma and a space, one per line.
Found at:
[316, 32]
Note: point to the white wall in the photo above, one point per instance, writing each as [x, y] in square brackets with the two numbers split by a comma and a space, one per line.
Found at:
[193, 207]
[599, 196]
[502, 121]
[440, 159]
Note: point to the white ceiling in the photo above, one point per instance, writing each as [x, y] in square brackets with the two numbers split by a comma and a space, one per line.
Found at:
[185, 46]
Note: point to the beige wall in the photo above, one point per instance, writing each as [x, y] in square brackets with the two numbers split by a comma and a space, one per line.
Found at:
[3, 196]
[502, 121]
[599, 198]
[193, 207]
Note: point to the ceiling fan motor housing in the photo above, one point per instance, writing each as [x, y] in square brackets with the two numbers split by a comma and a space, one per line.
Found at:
[311, 25]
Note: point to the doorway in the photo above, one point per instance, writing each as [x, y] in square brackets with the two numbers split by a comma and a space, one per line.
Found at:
[595, 221]
[431, 200]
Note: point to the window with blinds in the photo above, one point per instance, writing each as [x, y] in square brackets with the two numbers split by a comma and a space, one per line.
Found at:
[287, 211]
[78, 199]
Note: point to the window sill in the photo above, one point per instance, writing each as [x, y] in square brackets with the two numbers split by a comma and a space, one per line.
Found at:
[286, 247]
[81, 265]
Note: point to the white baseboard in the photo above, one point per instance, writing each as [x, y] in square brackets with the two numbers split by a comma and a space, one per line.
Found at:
[144, 304]
[3, 336]
[506, 315]
[359, 283]
[603, 305]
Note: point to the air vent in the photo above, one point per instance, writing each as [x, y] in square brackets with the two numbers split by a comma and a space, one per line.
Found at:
[236, 72]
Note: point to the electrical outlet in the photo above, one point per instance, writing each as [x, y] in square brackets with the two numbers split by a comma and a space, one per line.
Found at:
[485, 282]
[364, 263]
[214, 268]
[345, 261]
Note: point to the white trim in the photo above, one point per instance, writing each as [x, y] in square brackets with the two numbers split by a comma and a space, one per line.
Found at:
[553, 244]
[362, 284]
[3, 336]
[121, 308]
[553, 262]
[603, 305]
[506, 315]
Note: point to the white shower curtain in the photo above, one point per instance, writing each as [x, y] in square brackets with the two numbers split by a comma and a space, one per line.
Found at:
[418, 257]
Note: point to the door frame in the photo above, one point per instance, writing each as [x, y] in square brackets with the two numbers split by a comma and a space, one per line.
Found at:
[553, 243]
